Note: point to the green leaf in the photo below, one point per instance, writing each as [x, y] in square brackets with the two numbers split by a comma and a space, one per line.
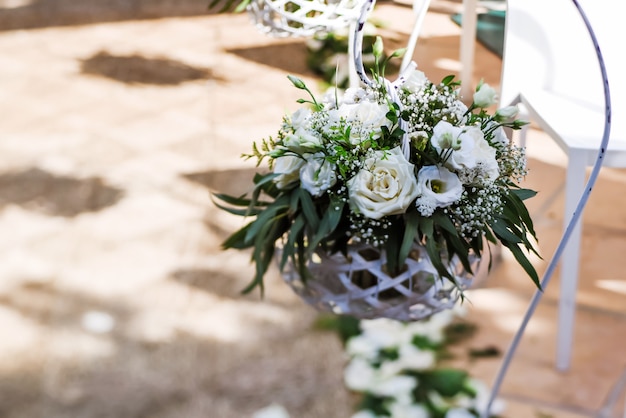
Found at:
[237, 239]
[435, 257]
[238, 212]
[448, 382]
[232, 200]
[518, 206]
[264, 247]
[411, 220]
[276, 209]
[242, 6]
[524, 194]
[447, 80]
[392, 247]
[524, 262]
[328, 224]
[308, 208]
[503, 233]
[295, 232]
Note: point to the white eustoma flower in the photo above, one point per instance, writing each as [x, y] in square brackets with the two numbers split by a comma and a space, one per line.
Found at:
[415, 81]
[459, 413]
[400, 410]
[484, 156]
[302, 140]
[409, 358]
[437, 187]
[430, 330]
[365, 119]
[399, 387]
[317, 175]
[353, 95]
[433, 328]
[413, 358]
[288, 168]
[385, 186]
[383, 332]
[455, 144]
[271, 411]
[359, 375]
[485, 96]
[362, 346]
[299, 118]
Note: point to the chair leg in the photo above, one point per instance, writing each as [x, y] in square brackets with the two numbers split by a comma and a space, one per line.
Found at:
[574, 186]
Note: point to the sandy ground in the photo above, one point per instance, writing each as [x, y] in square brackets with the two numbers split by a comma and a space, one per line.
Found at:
[115, 297]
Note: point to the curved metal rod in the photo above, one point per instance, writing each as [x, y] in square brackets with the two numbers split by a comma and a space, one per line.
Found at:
[391, 87]
[572, 224]
[368, 5]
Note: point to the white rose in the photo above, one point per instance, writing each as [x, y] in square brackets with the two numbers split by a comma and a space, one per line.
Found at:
[302, 140]
[437, 187]
[288, 168]
[415, 81]
[317, 175]
[455, 143]
[300, 117]
[485, 96]
[385, 186]
[365, 119]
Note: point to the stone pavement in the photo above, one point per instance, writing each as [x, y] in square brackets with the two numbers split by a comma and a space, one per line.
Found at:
[115, 298]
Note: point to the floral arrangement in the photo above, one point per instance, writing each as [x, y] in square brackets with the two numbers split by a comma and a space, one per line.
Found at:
[395, 367]
[388, 166]
[398, 370]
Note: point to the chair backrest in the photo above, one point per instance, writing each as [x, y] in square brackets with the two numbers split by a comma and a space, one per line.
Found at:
[547, 46]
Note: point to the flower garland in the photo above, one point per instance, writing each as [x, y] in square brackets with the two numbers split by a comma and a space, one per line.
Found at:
[396, 369]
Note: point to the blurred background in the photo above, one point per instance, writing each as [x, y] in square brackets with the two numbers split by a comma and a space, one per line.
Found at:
[116, 120]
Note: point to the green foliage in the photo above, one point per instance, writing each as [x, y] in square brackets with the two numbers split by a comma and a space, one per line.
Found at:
[301, 222]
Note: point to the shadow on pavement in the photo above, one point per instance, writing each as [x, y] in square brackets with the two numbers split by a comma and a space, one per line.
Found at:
[41, 191]
[137, 69]
[31, 14]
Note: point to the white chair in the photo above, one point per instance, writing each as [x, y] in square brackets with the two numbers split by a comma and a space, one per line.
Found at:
[551, 69]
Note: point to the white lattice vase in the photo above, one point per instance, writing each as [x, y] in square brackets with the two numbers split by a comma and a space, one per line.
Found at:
[357, 284]
[303, 17]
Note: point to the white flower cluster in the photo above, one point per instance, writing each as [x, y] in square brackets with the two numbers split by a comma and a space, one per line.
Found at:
[353, 147]
[386, 362]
